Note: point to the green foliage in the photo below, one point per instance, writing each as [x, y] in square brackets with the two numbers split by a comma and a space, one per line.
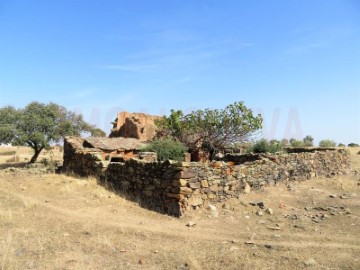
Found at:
[167, 149]
[341, 145]
[308, 141]
[214, 128]
[39, 125]
[97, 132]
[353, 145]
[327, 143]
[8, 116]
[263, 146]
[296, 143]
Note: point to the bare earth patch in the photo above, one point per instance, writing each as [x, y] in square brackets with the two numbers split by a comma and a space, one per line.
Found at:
[50, 221]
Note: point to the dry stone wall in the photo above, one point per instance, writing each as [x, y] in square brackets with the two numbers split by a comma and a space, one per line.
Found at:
[83, 162]
[177, 187]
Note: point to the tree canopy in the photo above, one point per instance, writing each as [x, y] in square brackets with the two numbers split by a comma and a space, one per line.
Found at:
[211, 128]
[39, 125]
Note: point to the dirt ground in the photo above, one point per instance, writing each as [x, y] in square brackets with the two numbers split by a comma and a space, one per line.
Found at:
[50, 221]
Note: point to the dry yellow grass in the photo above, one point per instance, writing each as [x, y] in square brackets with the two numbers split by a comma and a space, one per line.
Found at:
[24, 154]
[50, 221]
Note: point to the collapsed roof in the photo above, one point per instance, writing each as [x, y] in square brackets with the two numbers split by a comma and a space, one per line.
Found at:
[106, 144]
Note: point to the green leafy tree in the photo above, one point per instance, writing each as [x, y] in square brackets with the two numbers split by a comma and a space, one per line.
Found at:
[327, 143]
[308, 141]
[39, 125]
[211, 129]
[167, 149]
[296, 143]
[97, 132]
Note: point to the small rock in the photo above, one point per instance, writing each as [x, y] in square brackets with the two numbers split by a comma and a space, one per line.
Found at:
[316, 220]
[123, 250]
[233, 248]
[213, 211]
[155, 251]
[344, 197]
[274, 228]
[190, 224]
[141, 261]
[244, 204]
[269, 211]
[261, 222]
[310, 262]
[333, 196]
[268, 246]
[247, 217]
[249, 242]
[247, 188]
[260, 213]
[258, 203]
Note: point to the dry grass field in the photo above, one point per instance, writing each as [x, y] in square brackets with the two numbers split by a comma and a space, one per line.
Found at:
[50, 221]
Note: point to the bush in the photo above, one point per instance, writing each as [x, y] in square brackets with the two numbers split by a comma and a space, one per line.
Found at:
[296, 143]
[167, 149]
[263, 146]
[327, 143]
[353, 145]
[341, 145]
[308, 141]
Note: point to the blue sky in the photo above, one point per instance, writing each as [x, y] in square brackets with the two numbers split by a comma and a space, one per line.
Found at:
[296, 62]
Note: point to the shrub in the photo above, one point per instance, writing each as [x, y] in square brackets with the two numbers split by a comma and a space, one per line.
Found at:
[327, 143]
[353, 145]
[167, 149]
[341, 145]
[296, 143]
[308, 141]
[263, 146]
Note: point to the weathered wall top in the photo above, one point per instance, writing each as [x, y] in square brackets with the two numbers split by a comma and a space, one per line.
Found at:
[134, 125]
[104, 144]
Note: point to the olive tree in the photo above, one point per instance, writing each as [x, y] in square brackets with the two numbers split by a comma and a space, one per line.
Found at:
[39, 125]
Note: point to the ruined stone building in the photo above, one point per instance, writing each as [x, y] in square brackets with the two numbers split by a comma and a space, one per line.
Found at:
[87, 156]
[134, 125]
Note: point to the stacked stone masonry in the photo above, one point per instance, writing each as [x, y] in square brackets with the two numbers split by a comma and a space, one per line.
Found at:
[177, 187]
[134, 125]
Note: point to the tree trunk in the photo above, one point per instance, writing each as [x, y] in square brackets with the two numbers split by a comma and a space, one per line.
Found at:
[36, 155]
